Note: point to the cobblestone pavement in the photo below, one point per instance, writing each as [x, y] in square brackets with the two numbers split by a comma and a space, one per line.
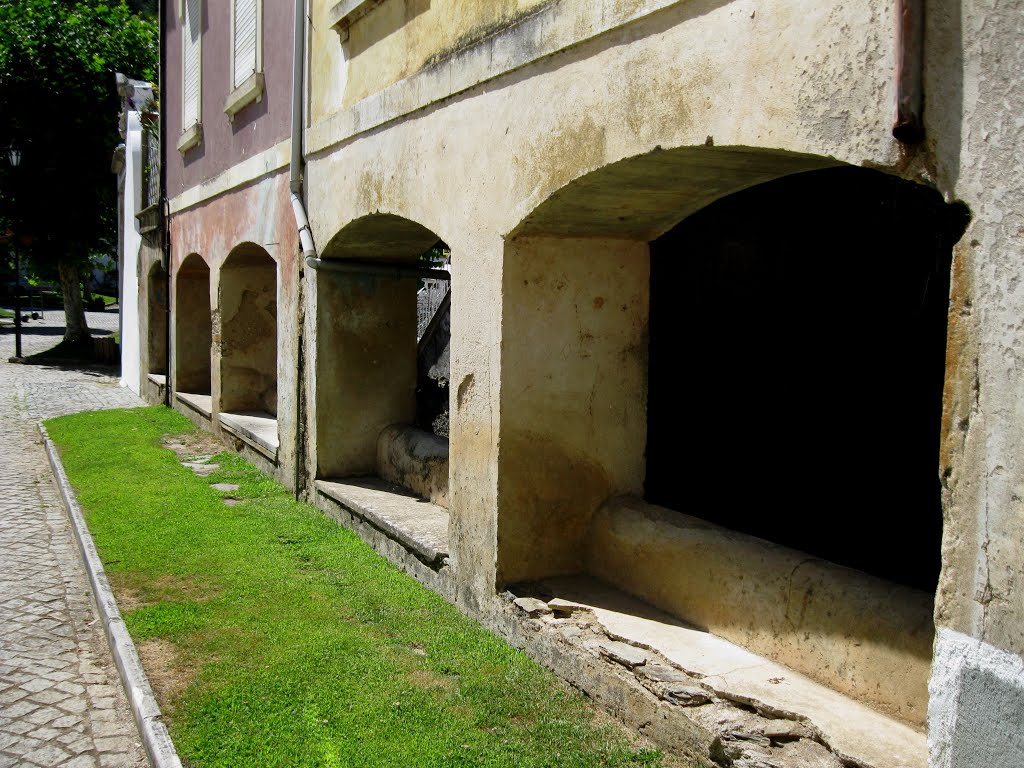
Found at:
[61, 701]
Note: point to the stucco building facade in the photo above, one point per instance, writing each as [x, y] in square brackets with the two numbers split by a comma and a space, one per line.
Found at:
[721, 345]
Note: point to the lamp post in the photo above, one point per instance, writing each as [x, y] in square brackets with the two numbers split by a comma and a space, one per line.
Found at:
[14, 156]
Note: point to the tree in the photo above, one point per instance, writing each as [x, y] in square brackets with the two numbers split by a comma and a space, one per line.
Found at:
[59, 103]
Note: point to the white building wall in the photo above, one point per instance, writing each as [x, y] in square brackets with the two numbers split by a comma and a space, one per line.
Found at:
[131, 374]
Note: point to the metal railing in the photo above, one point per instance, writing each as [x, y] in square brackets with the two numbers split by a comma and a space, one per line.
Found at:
[150, 165]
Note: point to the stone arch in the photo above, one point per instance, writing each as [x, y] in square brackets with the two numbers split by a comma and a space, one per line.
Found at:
[247, 307]
[368, 361]
[588, 279]
[156, 308]
[193, 327]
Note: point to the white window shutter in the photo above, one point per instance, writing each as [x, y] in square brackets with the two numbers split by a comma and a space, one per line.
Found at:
[190, 52]
[246, 29]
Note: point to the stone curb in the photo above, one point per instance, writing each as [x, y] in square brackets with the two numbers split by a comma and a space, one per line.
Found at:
[145, 710]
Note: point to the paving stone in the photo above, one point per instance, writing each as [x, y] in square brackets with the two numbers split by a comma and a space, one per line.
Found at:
[51, 646]
[47, 755]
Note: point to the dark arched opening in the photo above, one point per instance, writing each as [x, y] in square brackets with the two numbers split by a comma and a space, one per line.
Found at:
[797, 352]
[156, 318]
[193, 328]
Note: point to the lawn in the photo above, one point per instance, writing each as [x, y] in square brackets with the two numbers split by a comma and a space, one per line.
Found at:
[277, 638]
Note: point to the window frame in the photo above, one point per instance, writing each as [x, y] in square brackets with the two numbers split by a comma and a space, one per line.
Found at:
[249, 90]
[192, 133]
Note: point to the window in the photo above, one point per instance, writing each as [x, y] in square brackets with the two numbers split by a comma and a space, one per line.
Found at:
[191, 77]
[246, 55]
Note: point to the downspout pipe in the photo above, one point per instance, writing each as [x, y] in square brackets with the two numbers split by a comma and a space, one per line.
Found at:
[908, 125]
[295, 170]
[165, 224]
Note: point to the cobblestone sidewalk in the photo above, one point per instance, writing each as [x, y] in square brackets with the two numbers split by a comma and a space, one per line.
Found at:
[61, 701]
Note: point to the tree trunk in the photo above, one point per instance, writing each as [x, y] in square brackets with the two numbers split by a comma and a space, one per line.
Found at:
[75, 329]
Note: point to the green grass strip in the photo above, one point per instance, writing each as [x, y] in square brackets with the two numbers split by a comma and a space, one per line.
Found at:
[281, 639]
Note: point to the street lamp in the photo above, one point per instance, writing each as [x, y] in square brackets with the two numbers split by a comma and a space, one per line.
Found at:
[14, 156]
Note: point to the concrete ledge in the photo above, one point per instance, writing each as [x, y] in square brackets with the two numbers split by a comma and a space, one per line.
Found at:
[724, 679]
[145, 710]
[415, 459]
[346, 13]
[867, 638]
[190, 138]
[249, 91]
[199, 403]
[419, 526]
[157, 378]
[977, 704]
[257, 428]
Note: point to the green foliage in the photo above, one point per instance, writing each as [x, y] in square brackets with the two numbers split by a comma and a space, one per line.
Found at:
[60, 104]
[299, 645]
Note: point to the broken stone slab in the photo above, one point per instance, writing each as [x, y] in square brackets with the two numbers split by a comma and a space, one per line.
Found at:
[663, 674]
[786, 730]
[563, 608]
[226, 487]
[687, 695]
[623, 653]
[531, 606]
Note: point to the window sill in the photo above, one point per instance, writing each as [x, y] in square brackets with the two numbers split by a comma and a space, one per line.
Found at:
[346, 13]
[248, 92]
[190, 138]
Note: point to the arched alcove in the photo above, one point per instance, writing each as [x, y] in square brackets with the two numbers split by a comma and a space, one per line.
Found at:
[156, 317]
[797, 356]
[193, 329]
[248, 332]
[376, 374]
[716, 364]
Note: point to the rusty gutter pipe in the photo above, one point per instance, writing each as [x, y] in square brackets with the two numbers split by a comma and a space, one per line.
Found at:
[165, 213]
[295, 169]
[908, 126]
[383, 268]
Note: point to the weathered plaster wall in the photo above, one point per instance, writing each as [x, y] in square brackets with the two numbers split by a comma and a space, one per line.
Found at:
[975, 56]
[258, 126]
[260, 214]
[573, 397]
[473, 169]
[396, 39]
[365, 367]
[982, 590]
[248, 335]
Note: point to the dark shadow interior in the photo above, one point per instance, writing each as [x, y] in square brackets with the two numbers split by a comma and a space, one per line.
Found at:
[797, 354]
[157, 318]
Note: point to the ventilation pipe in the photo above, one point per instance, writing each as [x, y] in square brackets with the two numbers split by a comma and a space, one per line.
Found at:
[295, 170]
[908, 126]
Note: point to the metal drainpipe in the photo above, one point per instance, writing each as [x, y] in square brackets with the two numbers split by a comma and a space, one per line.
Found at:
[165, 225]
[302, 222]
[908, 126]
[383, 268]
[295, 170]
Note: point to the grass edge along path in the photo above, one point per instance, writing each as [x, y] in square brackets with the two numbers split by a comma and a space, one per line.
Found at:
[275, 637]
